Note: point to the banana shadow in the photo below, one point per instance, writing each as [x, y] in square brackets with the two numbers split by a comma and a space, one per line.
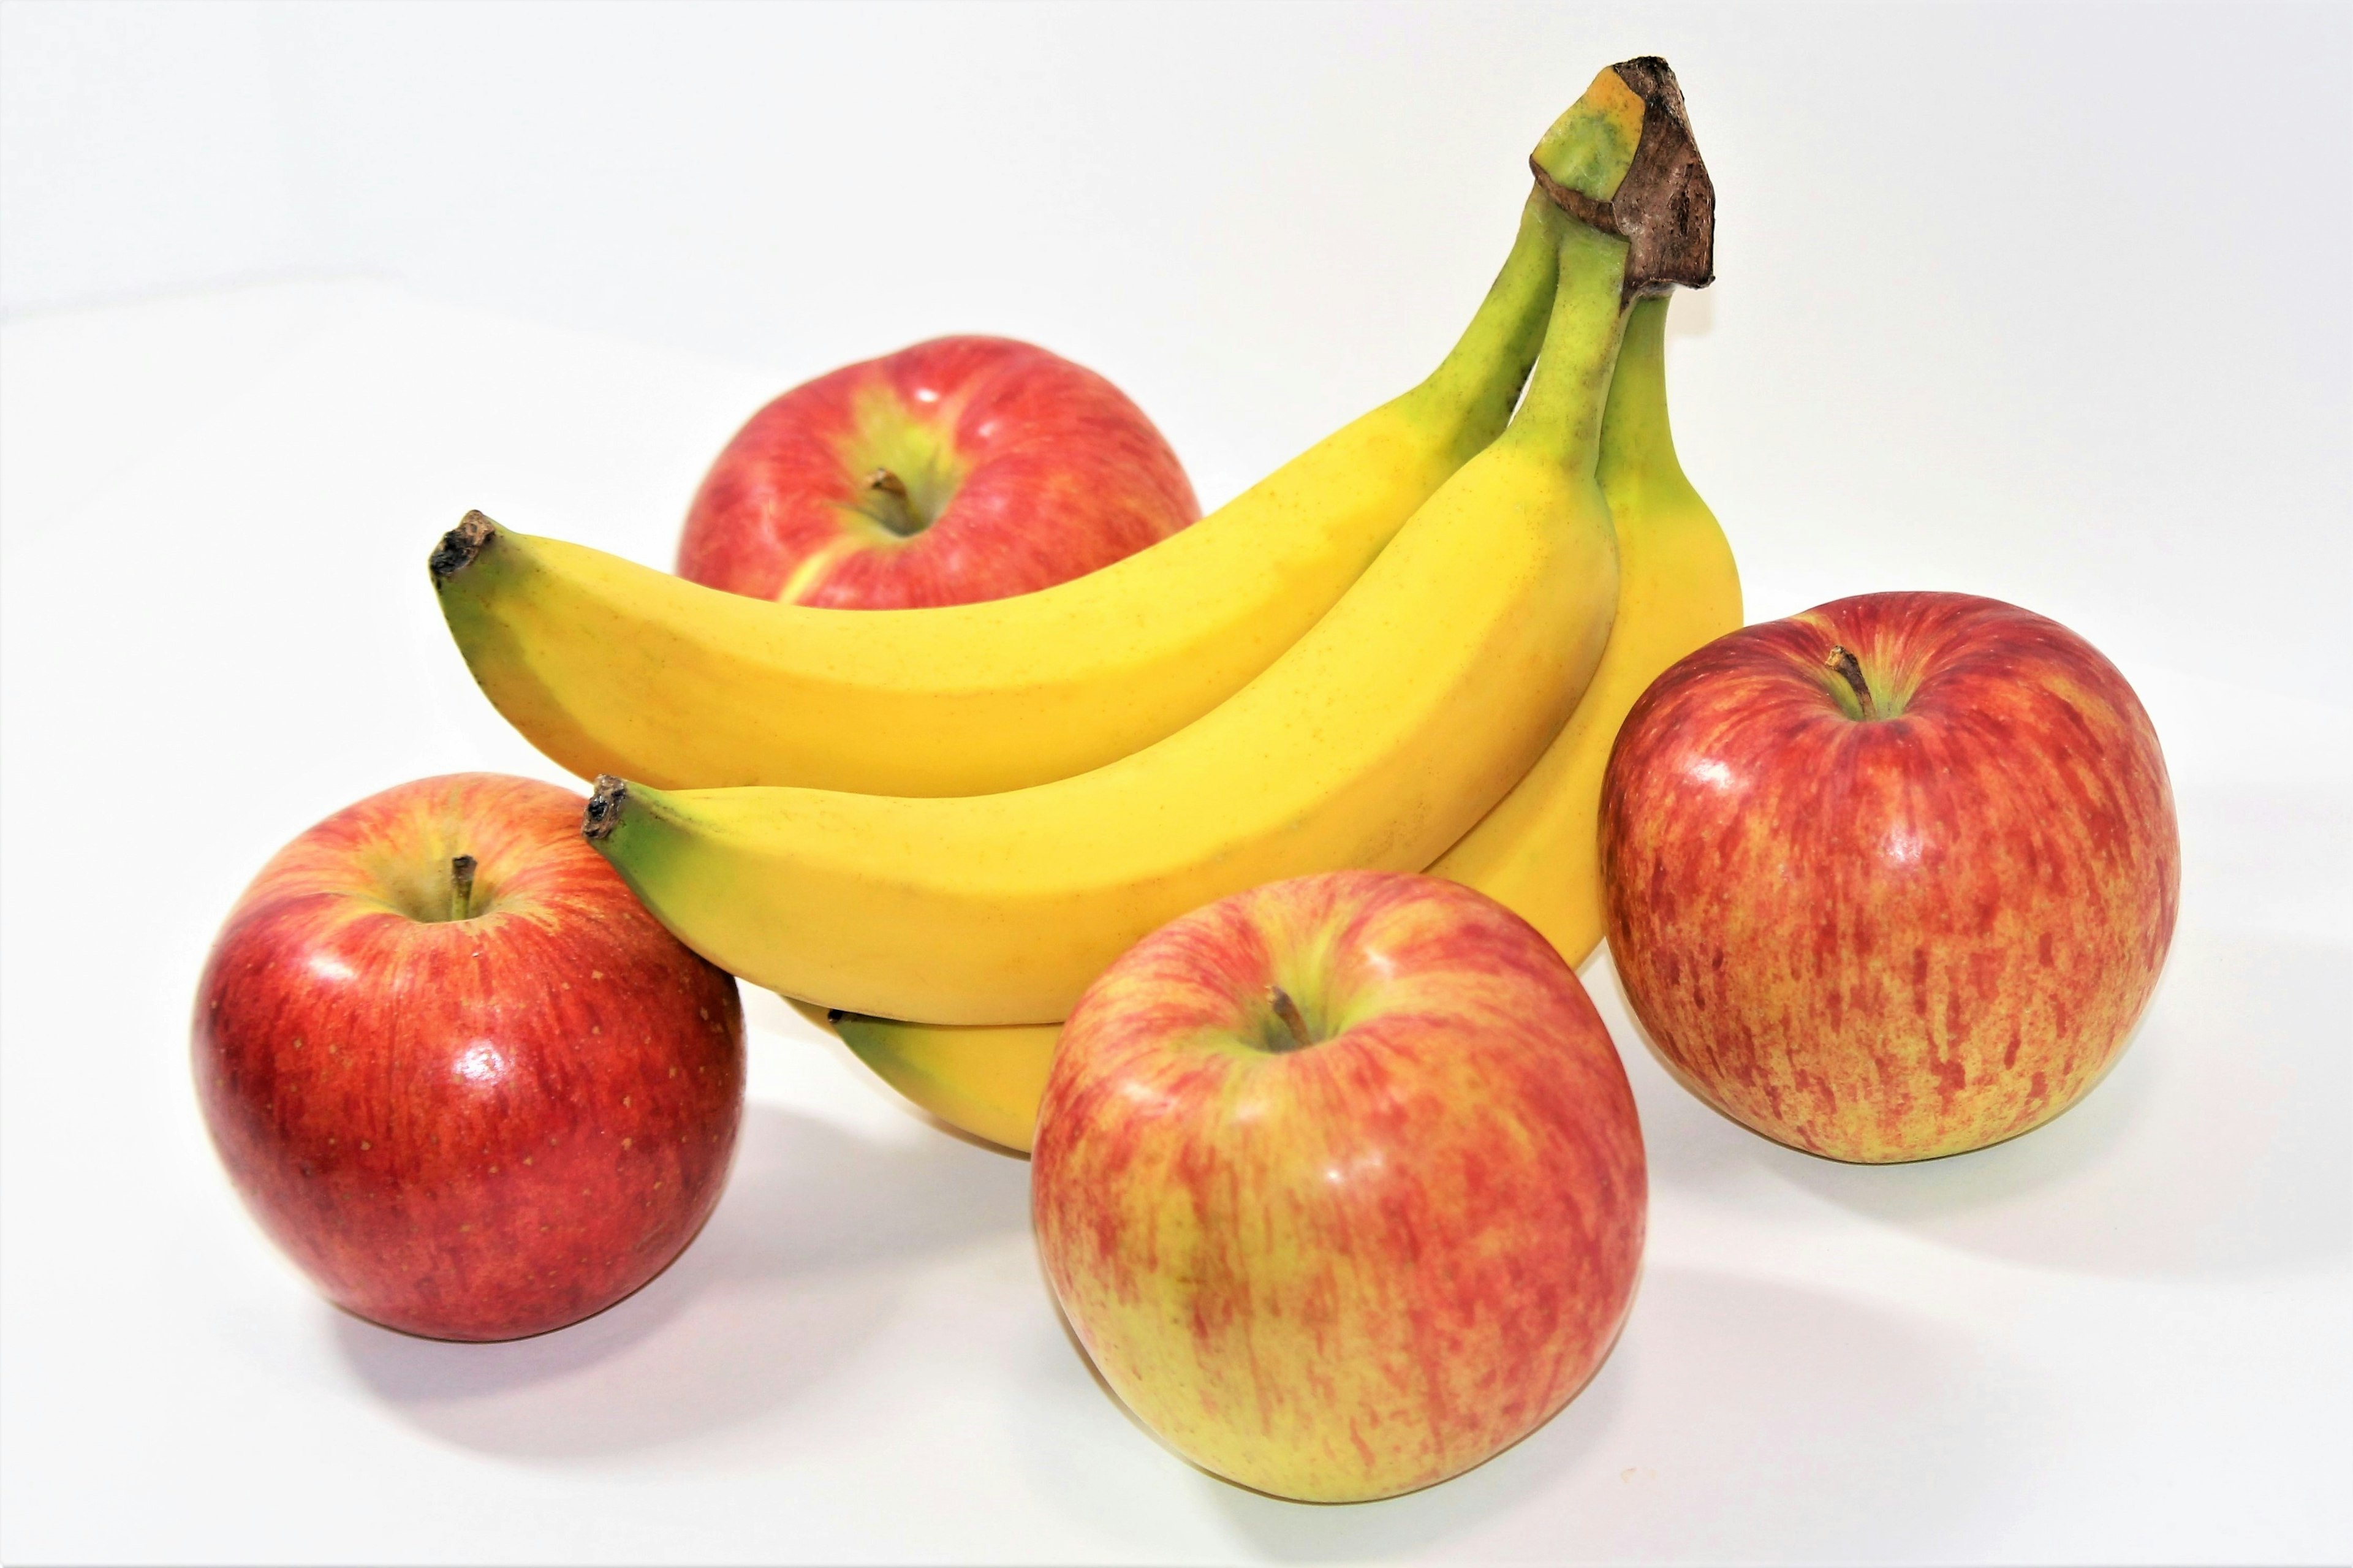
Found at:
[2215, 1146]
[796, 1269]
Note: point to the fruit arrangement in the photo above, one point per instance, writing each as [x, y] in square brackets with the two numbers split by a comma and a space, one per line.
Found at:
[1236, 868]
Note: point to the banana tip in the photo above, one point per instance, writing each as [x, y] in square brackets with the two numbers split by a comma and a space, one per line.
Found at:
[604, 812]
[460, 545]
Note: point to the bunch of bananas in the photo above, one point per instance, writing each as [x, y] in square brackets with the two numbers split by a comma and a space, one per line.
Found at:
[1408, 649]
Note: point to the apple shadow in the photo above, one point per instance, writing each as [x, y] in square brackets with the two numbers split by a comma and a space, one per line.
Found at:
[796, 1269]
[1098, 1460]
[2213, 1147]
[1299, 1531]
[1760, 1389]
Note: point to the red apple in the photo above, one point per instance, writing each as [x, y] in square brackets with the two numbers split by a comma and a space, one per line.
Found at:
[959, 469]
[1892, 879]
[470, 1113]
[1339, 1183]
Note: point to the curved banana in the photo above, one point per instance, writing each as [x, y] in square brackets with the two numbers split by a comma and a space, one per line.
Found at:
[981, 1078]
[609, 666]
[1538, 851]
[1377, 739]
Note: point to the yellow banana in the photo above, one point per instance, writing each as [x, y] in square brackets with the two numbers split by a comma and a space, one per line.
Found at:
[1377, 739]
[981, 1078]
[1538, 851]
[608, 666]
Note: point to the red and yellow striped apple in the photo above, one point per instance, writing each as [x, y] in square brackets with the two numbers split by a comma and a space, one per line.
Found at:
[960, 469]
[1340, 1184]
[456, 1072]
[1892, 879]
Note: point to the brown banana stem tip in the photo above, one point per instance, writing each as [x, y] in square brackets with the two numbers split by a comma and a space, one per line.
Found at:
[460, 545]
[604, 812]
[1664, 208]
[1851, 668]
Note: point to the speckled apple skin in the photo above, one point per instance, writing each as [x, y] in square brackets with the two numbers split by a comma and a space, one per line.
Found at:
[1063, 475]
[472, 1129]
[1902, 937]
[1356, 1269]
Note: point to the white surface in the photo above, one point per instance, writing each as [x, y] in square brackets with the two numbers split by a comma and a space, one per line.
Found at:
[2119, 1339]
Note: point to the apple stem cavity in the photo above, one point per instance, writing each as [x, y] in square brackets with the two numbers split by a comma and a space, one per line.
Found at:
[1288, 1011]
[887, 504]
[461, 888]
[1851, 668]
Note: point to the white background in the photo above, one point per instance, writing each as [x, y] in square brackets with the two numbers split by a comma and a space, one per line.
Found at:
[2050, 304]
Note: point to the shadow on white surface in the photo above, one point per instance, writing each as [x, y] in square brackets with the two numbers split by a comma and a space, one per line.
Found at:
[1756, 1388]
[795, 1270]
[1097, 1459]
[1571, 1443]
[2215, 1146]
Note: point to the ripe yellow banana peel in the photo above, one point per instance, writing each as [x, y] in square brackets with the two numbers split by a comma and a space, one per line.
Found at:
[612, 667]
[981, 1078]
[1376, 740]
[1537, 850]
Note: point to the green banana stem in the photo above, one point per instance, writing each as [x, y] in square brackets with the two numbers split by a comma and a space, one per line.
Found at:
[1624, 161]
[1562, 413]
[1480, 379]
[1637, 446]
[1589, 148]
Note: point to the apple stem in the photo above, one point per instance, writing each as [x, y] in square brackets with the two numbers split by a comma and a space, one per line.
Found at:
[889, 504]
[1847, 665]
[461, 888]
[1288, 1011]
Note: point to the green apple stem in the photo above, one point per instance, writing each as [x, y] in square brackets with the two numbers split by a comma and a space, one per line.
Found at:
[1851, 668]
[461, 888]
[1288, 1011]
[887, 504]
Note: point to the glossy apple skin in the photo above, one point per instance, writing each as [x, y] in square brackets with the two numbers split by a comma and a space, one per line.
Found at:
[1046, 471]
[1902, 937]
[1351, 1270]
[470, 1130]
